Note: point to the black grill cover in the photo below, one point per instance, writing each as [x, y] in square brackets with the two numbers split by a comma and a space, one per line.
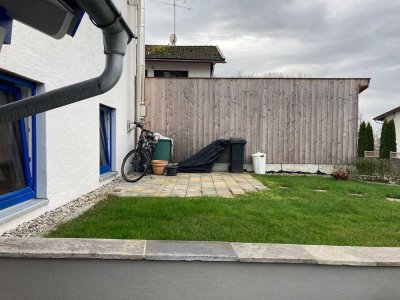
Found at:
[203, 161]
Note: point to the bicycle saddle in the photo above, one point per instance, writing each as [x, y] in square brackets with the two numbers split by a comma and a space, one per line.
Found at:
[150, 136]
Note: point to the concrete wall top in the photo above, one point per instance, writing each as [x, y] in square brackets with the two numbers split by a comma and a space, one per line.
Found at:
[198, 251]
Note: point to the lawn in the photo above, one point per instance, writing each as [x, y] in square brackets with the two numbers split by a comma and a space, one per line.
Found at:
[292, 211]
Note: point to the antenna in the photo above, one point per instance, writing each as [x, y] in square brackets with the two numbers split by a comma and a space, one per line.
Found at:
[173, 38]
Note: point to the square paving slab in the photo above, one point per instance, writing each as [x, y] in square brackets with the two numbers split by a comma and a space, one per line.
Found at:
[191, 185]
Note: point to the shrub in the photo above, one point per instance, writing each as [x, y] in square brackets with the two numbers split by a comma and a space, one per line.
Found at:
[365, 166]
[382, 170]
[396, 176]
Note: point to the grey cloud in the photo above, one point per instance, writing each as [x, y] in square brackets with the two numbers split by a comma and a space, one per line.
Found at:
[335, 38]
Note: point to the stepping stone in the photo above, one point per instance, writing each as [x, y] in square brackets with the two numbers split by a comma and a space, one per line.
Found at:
[356, 194]
[283, 187]
[320, 191]
[393, 199]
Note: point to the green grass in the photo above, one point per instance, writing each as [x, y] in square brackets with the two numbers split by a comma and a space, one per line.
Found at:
[296, 215]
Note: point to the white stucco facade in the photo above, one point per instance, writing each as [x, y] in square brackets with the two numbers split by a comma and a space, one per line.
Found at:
[68, 137]
[194, 69]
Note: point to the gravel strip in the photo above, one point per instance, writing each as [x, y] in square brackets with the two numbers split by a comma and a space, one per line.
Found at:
[48, 221]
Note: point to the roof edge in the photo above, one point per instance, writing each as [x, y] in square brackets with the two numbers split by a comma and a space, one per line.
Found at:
[279, 78]
[383, 116]
[188, 60]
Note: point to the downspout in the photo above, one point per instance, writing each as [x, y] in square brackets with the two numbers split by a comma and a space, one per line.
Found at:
[140, 62]
[116, 37]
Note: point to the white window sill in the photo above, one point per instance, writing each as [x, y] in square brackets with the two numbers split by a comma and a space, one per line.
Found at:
[20, 209]
[108, 175]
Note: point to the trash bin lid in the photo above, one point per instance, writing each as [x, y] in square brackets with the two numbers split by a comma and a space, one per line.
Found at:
[237, 141]
[258, 154]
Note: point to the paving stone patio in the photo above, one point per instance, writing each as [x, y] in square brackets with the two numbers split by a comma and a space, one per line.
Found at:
[191, 185]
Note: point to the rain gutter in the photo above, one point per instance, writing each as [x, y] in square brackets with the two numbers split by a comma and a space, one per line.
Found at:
[116, 37]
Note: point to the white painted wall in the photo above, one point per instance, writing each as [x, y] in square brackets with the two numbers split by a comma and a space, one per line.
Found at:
[68, 158]
[194, 69]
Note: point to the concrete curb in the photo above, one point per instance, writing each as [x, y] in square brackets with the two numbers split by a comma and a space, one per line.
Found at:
[198, 251]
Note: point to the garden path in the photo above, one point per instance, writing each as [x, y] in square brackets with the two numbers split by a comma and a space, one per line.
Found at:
[219, 184]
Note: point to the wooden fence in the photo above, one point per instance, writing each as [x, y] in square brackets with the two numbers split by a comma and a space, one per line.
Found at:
[294, 121]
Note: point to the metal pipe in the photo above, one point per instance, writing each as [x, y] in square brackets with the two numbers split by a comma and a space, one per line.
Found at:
[140, 61]
[116, 36]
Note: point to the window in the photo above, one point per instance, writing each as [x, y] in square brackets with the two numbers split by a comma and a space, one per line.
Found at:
[159, 73]
[17, 147]
[105, 139]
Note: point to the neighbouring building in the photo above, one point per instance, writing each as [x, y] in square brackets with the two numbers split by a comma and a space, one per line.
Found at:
[182, 61]
[395, 115]
[55, 157]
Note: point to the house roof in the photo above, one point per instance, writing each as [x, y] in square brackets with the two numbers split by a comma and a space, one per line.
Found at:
[386, 114]
[184, 53]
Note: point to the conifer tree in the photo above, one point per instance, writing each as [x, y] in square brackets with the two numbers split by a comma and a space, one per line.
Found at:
[361, 139]
[369, 138]
[391, 136]
[383, 149]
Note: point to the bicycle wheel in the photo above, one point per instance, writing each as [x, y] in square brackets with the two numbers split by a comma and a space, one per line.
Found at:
[134, 165]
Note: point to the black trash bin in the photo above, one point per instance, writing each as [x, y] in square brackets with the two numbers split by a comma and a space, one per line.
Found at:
[237, 155]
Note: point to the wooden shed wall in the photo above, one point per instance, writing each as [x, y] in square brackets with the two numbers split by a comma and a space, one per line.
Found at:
[294, 121]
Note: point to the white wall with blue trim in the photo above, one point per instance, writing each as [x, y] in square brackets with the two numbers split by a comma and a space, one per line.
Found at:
[68, 137]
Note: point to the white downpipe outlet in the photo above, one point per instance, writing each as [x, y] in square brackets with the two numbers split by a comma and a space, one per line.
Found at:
[140, 61]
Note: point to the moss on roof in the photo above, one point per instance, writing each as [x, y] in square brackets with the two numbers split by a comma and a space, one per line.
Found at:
[196, 53]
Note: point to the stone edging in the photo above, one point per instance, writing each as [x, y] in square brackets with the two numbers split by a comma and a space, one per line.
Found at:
[198, 251]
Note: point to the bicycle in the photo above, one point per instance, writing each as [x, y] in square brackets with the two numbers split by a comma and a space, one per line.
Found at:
[137, 162]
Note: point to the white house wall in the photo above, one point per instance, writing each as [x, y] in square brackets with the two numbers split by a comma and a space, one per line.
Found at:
[194, 69]
[68, 137]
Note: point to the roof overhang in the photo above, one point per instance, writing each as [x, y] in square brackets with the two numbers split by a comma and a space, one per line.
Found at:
[186, 60]
[55, 18]
[382, 117]
[363, 84]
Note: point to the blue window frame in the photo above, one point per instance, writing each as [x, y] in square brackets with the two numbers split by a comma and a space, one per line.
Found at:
[105, 139]
[23, 186]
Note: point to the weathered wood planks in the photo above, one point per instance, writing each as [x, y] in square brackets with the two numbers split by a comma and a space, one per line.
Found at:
[295, 121]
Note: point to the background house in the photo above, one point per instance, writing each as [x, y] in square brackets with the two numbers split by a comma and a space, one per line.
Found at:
[182, 61]
[395, 115]
[52, 158]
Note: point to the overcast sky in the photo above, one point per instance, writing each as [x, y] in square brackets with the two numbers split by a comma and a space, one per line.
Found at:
[335, 38]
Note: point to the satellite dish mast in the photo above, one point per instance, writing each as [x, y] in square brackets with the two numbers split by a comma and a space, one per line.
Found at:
[173, 38]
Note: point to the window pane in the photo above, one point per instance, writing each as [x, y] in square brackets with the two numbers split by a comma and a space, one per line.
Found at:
[12, 177]
[162, 73]
[103, 141]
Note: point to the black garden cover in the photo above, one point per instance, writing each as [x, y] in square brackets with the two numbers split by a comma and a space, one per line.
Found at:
[203, 161]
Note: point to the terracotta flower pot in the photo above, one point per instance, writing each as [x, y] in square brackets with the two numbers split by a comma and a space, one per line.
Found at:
[159, 166]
